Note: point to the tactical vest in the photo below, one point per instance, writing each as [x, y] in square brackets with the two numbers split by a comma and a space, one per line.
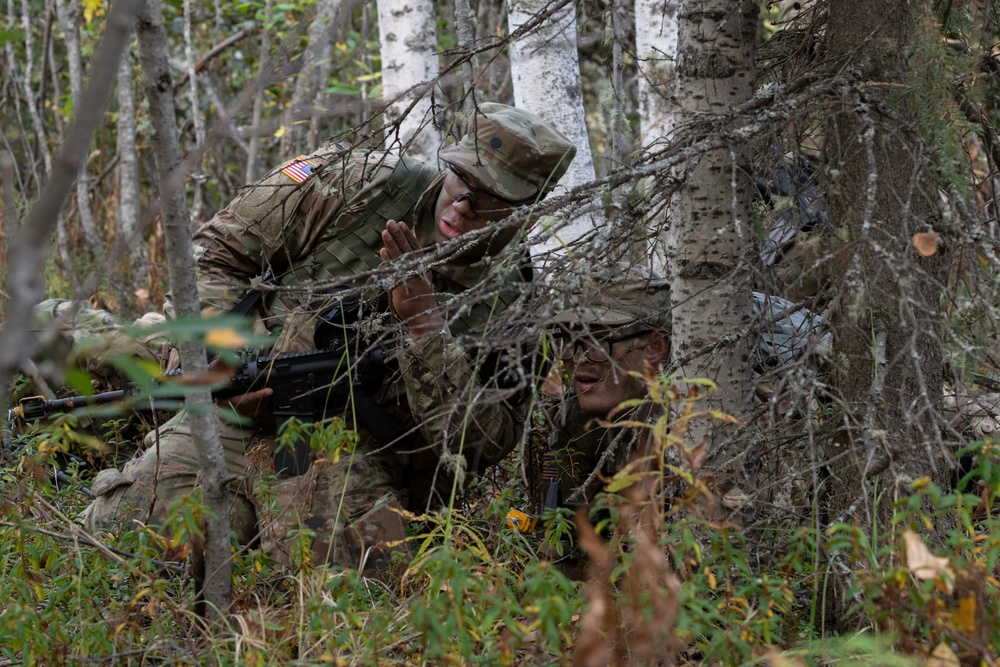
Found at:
[350, 245]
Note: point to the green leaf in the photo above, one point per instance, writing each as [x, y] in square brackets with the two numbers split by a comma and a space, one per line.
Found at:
[622, 482]
[10, 35]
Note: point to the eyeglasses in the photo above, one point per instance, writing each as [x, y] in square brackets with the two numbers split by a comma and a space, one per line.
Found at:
[597, 350]
[482, 203]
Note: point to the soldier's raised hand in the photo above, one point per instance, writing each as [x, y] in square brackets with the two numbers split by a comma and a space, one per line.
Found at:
[413, 299]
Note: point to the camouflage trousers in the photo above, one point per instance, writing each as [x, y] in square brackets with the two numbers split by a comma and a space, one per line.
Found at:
[347, 512]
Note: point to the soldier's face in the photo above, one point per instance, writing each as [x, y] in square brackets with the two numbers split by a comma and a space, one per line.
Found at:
[600, 366]
[464, 206]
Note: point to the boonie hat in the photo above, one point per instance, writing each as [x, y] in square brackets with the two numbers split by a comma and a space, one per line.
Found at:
[515, 154]
[631, 294]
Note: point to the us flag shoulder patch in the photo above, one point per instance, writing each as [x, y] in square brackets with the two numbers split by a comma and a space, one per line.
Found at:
[299, 169]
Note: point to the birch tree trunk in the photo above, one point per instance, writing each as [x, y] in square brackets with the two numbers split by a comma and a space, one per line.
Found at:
[656, 57]
[152, 36]
[128, 179]
[465, 22]
[709, 235]
[69, 12]
[408, 37]
[545, 69]
[656, 53]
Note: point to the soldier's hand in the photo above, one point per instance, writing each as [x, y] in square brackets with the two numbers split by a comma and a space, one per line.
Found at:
[413, 299]
[255, 405]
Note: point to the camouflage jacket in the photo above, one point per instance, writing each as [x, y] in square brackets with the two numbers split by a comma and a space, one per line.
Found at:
[319, 217]
[586, 455]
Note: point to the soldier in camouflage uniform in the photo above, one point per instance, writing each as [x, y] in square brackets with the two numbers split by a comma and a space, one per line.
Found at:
[619, 323]
[335, 216]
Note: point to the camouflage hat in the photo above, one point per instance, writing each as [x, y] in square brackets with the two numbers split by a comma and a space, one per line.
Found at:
[515, 154]
[631, 294]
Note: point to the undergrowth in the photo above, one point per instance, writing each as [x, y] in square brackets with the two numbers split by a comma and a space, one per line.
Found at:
[478, 592]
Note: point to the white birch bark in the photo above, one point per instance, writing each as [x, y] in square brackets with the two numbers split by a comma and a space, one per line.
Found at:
[197, 119]
[545, 69]
[128, 177]
[656, 52]
[656, 57]
[408, 37]
[465, 20]
[68, 12]
[710, 228]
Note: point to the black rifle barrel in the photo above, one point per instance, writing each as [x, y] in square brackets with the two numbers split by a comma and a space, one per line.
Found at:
[37, 407]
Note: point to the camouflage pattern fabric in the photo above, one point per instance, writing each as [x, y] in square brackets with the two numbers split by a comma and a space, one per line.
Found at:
[318, 217]
[511, 153]
[88, 337]
[351, 506]
[581, 448]
[168, 470]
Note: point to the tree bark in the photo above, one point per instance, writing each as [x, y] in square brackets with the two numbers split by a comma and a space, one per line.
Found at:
[465, 21]
[888, 363]
[408, 37]
[129, 204]
[545, 66]
[656, 54]
[217, 587]
[197, 118]
[69, 12]
[311, 80]
[709, 233]
[251, 174]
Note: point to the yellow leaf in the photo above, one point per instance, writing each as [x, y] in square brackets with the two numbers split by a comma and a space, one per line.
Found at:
[280, 132]
[227, 338]
[92, 8]
[966, 618]
[926, 243]
[942, 656]
[923, 564]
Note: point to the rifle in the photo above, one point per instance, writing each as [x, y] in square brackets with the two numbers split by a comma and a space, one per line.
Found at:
[307, 386]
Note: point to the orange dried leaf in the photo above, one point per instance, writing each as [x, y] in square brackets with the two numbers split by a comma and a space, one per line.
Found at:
[226, 338]
[926, 243]
[923, 564]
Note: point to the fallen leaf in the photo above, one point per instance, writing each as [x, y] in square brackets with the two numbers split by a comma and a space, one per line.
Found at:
[966, 618]
[923, 564]
[926, 243]
[942, 656]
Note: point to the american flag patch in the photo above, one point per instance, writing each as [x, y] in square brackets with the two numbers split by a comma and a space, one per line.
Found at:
[299, 169]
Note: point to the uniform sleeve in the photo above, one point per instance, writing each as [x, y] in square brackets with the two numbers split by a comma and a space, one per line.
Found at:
[271, 225]
[452, 406]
